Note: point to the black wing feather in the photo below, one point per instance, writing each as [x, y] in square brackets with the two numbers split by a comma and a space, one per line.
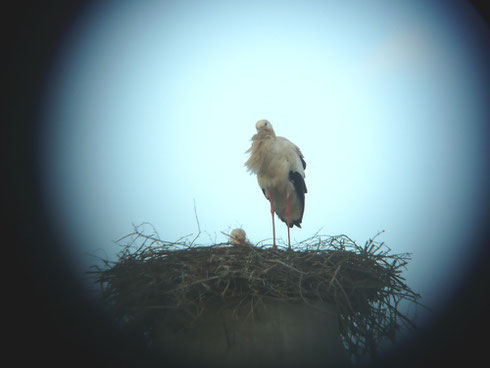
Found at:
[303, 162]
[300, 188]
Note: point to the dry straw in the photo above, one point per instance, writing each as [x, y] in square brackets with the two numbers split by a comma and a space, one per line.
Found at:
[365, 283]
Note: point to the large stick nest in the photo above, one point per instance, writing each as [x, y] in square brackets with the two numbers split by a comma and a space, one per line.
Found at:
[364, 283]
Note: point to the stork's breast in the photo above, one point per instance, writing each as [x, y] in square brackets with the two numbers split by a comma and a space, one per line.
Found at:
[275, 171]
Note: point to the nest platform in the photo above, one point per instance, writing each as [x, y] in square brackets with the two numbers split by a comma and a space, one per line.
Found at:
[364, 284]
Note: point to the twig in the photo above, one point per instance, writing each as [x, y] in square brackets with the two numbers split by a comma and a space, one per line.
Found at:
[198, 226]
[334, 277]
[285, 265]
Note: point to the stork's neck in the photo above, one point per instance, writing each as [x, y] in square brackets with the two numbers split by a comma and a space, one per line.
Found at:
[262, 136]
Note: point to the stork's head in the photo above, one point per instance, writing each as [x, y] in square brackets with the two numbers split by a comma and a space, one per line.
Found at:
[265, 127]
[238, 237]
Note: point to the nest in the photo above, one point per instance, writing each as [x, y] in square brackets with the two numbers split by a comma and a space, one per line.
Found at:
[364, 283]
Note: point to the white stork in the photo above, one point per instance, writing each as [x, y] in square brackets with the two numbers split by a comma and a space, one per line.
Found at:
[238, 237]
[280, 170]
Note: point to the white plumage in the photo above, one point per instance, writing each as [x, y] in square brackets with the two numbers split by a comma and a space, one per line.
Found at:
[238, 237]
[279, 166]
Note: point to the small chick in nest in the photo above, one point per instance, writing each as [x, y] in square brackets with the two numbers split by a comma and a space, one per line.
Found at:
[238, 237]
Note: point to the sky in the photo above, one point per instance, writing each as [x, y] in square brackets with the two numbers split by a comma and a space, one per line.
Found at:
[151, 105]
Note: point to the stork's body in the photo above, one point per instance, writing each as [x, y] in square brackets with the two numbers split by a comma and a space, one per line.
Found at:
[279, 166]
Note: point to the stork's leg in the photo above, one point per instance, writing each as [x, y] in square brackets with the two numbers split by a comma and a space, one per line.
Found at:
[287, 221]
[273, 223]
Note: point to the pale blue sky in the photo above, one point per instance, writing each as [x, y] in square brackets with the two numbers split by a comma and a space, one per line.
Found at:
[152, 104]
